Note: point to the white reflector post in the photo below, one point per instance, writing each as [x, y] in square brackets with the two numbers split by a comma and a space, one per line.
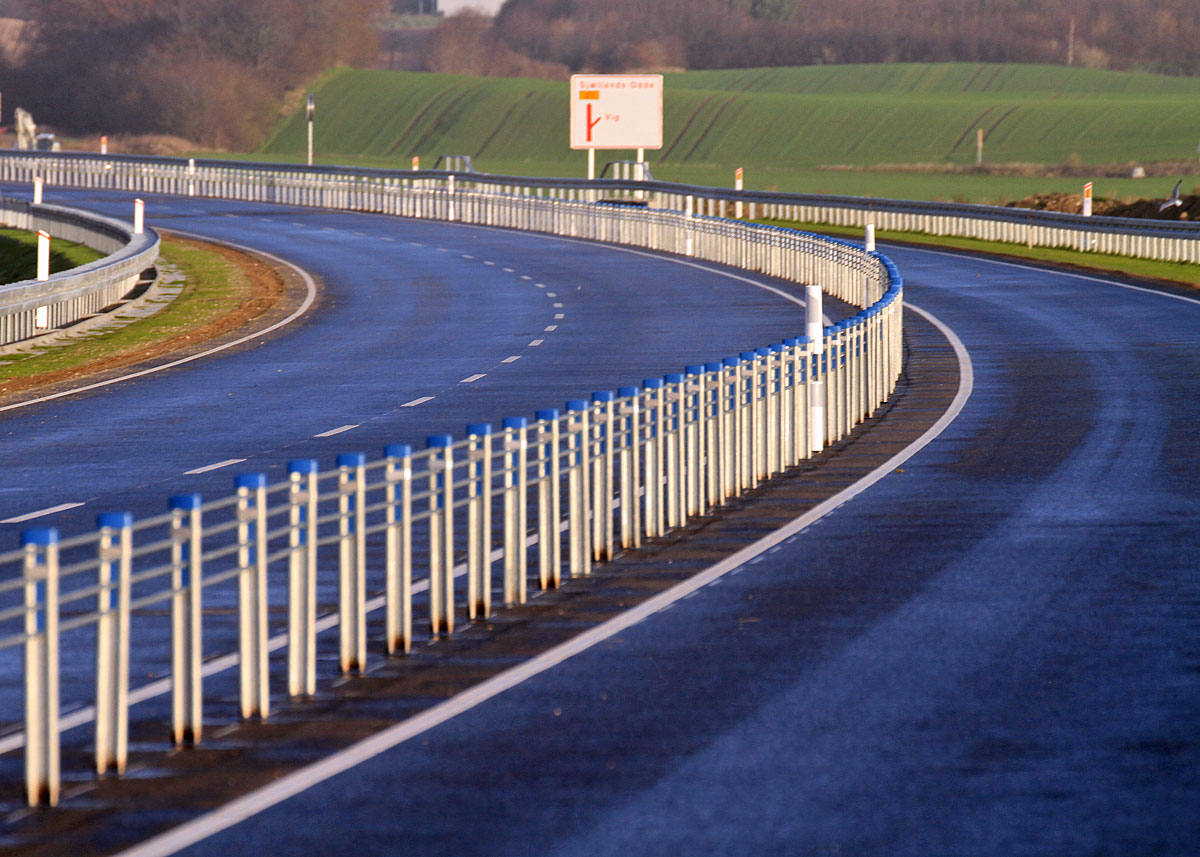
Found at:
[815, 330]
[38, 185]
[43, 259]
[139, 217]
[869, 244]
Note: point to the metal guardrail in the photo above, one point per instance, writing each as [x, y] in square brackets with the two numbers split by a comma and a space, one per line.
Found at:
[338, 186]
[185, 596]
[33, 307]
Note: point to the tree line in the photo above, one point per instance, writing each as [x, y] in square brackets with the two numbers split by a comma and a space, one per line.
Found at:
[214, 71]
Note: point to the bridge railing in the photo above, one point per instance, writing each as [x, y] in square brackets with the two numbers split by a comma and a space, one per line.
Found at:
[422, 539]
[33, 307]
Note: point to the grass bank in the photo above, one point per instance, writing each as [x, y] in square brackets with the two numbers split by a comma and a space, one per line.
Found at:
[223, 290]
[18, 255]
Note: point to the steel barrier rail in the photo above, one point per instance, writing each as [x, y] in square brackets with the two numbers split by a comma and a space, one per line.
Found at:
[32, 307]
[536, 500]
[349, 187]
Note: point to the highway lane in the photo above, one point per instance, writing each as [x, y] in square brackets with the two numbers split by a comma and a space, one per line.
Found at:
[420, 329]
[993, 651]
[410, 311]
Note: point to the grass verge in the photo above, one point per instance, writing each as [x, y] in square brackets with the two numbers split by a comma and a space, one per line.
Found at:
[18, 255]
[224, 289]
[1176, 273]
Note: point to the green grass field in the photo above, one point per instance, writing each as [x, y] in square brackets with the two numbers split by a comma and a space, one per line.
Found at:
[784, 126]
[18, 255]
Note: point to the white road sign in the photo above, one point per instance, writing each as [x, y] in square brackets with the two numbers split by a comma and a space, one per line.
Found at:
[616, 111]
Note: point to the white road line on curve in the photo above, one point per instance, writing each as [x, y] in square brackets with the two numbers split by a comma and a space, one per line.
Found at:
[550, 327]
[512, 359]
[559, 316]
[41, 513]
[558, 306]
[338, 430]
[208, 468]
[536, 343]
[419, 401]
[471, 379]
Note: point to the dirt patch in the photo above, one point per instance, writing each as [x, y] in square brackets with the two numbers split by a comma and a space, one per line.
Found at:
[266, 293]
[1072, 203]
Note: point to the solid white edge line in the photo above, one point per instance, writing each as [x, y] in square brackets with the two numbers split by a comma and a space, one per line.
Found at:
[298, 781]
[209, 468]
[41, 513]
[309, 299]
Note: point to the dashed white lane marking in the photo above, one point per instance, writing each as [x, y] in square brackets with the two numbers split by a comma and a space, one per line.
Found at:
[467, 256]
[526, 278]
[419, 401]
[509, 271]
[551, 327]
[388, 238]
[536, 343]
[551, 295]
[512, 359]
[41, 513]
[559, 316]
[541, 285]
[558, 306]
[294, 223]
[473, 378]
[211, 467]
[338, 430]
[415, 244]
[490, 264]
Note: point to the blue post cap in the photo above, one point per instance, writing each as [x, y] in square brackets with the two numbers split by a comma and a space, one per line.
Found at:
[628, 392]
[831, 330]
[673, 378]
[185, 502]
[748, 355]
[792, 341]
[352, 459]
[41, 537]
[712, 367]
[578, 405]
[250, 480]
[547, 414]
[762, 351]
[397, 450]
[302, 466]
[479, 428]
[730, 362]
[802, 340]
[439, 441]
[694, 369]
[603, 396]
[653, 383]
[777, 347]
[114, 520]
[516, 422]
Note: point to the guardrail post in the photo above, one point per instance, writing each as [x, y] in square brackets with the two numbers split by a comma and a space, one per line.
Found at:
[689, 247]
[115, 560]
[516, 508]
[577, 488]
[675, 397]
[43, 775]
[441, 534]
[398, 516]
[252, 594]
[187, 551]
[39, 185]
[776, 409]
[694, 445]
[869, 243]
[604, 430]
[655, 520]
[815, 329]
[629, 411]
[479, 520]
[43, 259]
[303, 503]
[352, 561]
[139, 217]
[549, 499]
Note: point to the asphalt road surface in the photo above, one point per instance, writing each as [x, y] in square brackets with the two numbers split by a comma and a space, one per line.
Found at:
[995, 650]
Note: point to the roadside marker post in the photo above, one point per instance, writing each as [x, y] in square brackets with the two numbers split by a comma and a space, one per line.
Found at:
[869, 243]
[39, 185]
[738, 185]
[139, 217]
[1087, 200]
[43, 256]
[311, 109]
[815, 329]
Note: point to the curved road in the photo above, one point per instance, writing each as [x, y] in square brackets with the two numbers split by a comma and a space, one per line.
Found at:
[993, 651]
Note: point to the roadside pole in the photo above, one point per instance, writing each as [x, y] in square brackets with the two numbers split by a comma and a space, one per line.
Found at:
[311, 110]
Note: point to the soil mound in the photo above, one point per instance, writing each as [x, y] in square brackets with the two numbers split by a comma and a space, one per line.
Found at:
[1147, 209]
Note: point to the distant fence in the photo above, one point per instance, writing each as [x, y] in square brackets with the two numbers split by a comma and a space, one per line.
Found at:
[223, 582]
[33, 307]
[345, 187]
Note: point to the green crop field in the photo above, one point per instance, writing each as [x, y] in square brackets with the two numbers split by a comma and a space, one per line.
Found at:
[787, 127]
